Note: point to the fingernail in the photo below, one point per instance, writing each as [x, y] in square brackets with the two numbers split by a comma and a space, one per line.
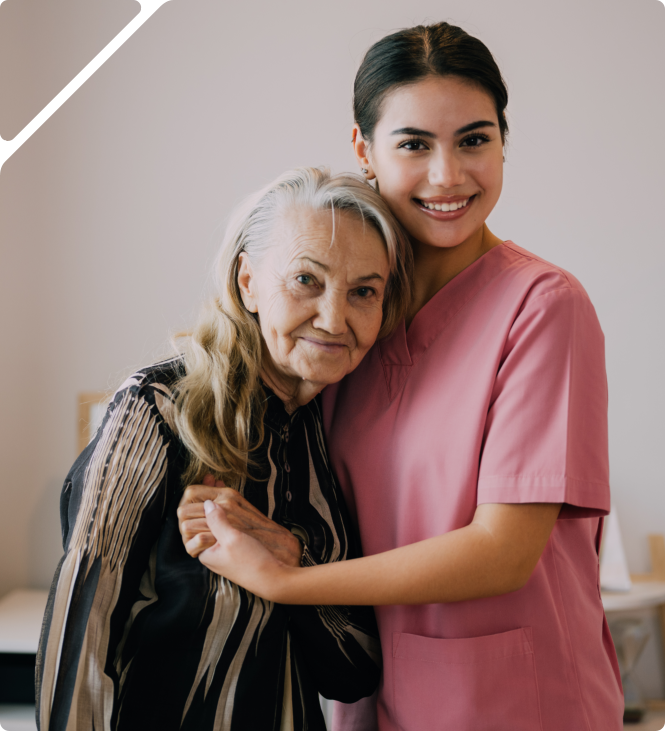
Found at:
[208, 506]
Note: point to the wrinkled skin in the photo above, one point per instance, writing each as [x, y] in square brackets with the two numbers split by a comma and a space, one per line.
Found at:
[242, 515]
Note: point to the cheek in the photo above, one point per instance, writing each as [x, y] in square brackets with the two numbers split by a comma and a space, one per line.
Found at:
[366, 328]
[490, 176]
[396, 182]
[284, 313]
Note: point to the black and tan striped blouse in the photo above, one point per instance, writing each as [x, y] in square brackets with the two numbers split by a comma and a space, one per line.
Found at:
[139, 635]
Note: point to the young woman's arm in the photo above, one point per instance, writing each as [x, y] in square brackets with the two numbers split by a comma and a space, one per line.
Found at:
[339, 645]
[495, 554]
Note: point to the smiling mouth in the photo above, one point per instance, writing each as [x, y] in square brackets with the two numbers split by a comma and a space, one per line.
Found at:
[329, 346]
[444, 207]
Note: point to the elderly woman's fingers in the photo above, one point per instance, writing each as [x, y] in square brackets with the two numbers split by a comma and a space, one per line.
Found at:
[192, 527]
[243, 516]
[240, 514]
[192, 522]
[191, 519]
[191, 502]
[237, 556]
[200, 493]
[199, 543]
[210, 481]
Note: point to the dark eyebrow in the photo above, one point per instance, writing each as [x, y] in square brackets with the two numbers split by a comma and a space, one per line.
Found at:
[474, 125]
[415, 132]
[326, 268]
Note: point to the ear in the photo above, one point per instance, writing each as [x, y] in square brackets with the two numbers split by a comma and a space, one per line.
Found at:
[361, 150]
[247, 283]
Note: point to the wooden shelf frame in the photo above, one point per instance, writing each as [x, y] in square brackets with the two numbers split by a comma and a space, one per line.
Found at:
[657, 553]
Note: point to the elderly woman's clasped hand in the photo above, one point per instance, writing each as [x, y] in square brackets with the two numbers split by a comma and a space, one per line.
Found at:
[239, 514]
[240, 556]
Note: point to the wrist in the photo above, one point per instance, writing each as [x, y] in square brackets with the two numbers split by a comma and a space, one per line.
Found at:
[282, 585]
[296, 552]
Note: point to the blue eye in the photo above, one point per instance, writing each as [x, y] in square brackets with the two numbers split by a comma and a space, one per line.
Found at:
[304, 279]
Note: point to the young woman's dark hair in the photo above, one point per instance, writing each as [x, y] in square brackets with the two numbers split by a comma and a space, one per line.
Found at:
[412, 54]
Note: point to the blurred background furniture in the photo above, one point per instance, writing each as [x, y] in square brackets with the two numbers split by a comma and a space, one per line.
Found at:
[91, 409]
[21, 614]
[631, 634]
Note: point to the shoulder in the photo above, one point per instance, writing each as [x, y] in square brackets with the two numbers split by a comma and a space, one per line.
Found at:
[553, 310]
[138, 416]
[546, 291]
[162, 376]
[155, 386]
[539, 277]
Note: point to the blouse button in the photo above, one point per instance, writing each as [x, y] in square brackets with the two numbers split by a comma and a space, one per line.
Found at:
[287, 467]
[288, 495]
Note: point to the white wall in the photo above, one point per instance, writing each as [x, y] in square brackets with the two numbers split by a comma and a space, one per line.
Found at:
[109, 215]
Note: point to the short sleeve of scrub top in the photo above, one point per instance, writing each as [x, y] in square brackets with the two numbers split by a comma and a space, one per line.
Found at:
[545, 438]
[496, 393]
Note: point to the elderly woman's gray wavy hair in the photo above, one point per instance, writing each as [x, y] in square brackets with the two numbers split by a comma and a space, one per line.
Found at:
[220, 397]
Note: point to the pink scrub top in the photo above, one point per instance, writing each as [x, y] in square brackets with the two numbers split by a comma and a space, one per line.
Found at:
[496, 394]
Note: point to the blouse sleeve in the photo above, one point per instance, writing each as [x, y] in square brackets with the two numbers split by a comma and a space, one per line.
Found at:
[340, 647]
[111, 507]
[545, 438]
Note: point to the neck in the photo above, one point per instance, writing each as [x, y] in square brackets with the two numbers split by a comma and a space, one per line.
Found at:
[435, 266]
[292, 391]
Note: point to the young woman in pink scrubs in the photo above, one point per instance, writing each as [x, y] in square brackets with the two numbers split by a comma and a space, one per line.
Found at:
[471, 444]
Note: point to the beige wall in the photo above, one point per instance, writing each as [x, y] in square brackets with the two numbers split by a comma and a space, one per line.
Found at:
[110, 213]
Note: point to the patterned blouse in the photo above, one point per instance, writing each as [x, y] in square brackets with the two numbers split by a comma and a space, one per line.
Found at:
[140, 635]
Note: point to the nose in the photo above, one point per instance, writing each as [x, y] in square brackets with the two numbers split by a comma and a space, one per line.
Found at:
[331, 313]
[445, 170]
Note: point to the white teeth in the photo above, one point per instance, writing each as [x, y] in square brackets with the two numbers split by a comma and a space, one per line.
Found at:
[445, 206]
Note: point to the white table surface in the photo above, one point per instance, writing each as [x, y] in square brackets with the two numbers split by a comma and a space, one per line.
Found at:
[644, 594]
[21, 614]
[17, 718]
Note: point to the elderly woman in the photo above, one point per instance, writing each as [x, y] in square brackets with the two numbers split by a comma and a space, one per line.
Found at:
[140, 635]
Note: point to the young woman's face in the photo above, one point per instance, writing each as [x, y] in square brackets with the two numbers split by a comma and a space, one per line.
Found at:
[319, 298]
[438, 156]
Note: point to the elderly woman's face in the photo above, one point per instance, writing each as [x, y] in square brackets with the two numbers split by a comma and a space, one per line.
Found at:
[319, 303]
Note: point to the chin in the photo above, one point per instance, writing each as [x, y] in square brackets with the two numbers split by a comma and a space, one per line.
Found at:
[443, 239]
[325, 377]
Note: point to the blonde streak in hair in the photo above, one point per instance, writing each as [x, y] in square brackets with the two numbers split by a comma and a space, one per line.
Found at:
[208, 386]
[225, 342]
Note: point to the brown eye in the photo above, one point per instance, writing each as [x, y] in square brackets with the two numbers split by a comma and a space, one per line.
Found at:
[475, 140]
[412, 145]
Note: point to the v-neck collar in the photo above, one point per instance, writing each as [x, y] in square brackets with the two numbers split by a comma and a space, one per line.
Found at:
[403, 349]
